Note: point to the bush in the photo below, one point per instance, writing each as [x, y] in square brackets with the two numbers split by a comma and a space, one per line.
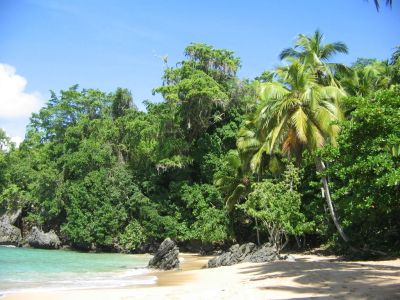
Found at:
[132, 236]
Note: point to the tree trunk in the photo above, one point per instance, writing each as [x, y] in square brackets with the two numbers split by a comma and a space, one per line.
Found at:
[298, 242]
[321, 167]
[258, 232]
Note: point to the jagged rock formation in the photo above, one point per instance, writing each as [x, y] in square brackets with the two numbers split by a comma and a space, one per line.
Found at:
[246, 252]
[40, 239]
[166, 257]
[10, 234]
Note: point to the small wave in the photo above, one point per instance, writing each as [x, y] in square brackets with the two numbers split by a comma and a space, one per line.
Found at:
[78, 282]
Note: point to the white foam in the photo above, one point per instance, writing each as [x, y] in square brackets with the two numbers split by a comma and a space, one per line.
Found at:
[74, 281]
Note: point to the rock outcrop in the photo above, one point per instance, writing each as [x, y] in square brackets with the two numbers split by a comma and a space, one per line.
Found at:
[166, 257]
[40, 239]
[10, 234]
[11, 217]
[264, 253]
[243, 253]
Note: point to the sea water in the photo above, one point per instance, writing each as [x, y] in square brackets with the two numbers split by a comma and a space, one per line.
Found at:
[24, 269]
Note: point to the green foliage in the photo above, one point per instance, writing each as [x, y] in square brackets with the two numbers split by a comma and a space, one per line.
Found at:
[199, 87]
[366, 77]
[132, 236]
[121, 103]
[276, 203]
[231, 179]
[365, 172]
[205, 204]
[4, 145]
[101, 173]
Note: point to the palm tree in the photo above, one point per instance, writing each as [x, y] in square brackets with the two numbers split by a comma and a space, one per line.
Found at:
[232, 180]
[298, 113]
[366, 79]
[395, 55]
[310, 51]
[234, 183]
[388, 3]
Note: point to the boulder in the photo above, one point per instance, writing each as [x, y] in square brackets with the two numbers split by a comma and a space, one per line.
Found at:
[11, 217]
[290, 258]
[10, 234]
[245, 252]
[166, 257]
[222, 260]
[264, 253]
[40, 239]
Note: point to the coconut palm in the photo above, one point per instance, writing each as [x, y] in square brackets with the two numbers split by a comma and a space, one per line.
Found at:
[298, 113]
[388, 3]
[232, 180]
[366, 79]
[310, 51]
[395, 55]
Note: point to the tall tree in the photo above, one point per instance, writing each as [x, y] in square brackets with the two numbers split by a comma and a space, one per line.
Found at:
[122, 101]
[298, 113]
[365, 169]
[377, 4]
[366, 77]
[232, 180]
[311, 51]
[199, 86]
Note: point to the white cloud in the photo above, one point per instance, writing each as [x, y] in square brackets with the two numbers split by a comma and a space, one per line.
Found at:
[14, 101]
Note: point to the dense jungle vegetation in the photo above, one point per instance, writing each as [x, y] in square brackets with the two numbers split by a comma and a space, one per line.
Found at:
[308, 153]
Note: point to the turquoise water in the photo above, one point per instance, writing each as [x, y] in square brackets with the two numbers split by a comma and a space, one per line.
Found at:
[25, 268]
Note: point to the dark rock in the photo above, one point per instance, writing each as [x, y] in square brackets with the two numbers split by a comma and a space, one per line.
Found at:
[245, 252]
[225, 259]
[264, 254]
[166, 257]
[40, 239]
[198, 246]
[147, 247]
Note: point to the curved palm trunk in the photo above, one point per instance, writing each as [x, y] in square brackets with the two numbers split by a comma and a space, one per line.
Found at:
[257, 229]
[258, 232]
[321, 167]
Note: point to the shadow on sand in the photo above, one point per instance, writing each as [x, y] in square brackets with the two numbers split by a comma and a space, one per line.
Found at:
[328, 279]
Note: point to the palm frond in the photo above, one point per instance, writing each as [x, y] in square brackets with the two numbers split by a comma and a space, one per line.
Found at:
[288, 52]
[272, 90]
[300, 120]
[329, 50]
[234, 198]
[388, 3]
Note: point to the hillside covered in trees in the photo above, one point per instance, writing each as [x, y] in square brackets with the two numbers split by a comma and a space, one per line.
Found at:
[306, 154]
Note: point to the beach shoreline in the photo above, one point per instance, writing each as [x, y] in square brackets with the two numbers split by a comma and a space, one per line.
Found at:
[309, 276]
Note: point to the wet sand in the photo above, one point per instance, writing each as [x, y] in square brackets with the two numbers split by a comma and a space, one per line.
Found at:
[309, 277]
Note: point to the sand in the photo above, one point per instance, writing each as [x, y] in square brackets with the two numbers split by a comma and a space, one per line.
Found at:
[309, 277]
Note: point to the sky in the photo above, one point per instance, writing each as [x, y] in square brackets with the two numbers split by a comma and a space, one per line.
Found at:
[53, 44]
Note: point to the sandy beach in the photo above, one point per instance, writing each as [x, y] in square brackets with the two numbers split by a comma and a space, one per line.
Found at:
[309, 277]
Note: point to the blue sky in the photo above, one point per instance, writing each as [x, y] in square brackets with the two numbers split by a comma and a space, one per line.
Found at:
[53, 45]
